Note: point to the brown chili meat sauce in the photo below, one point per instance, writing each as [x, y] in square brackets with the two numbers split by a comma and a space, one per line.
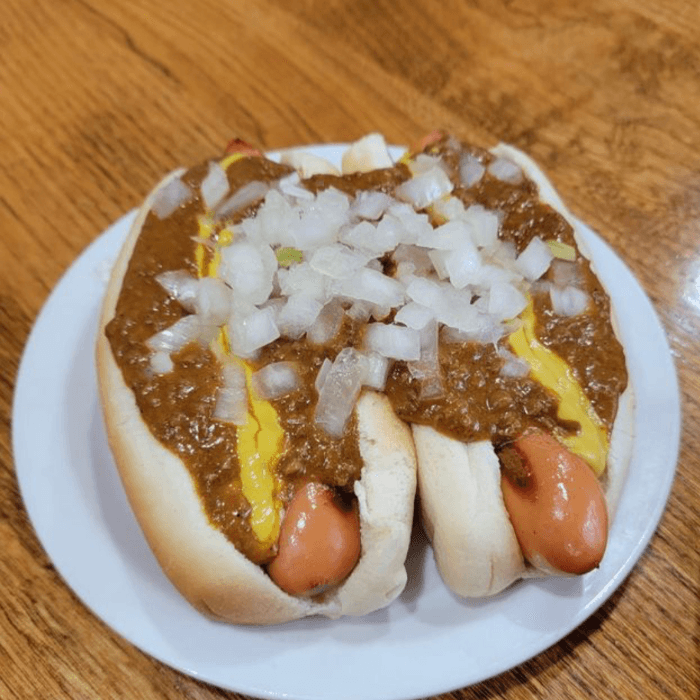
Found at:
[477, 401]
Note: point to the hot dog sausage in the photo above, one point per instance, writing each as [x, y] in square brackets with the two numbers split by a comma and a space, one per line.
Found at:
[319, 542]
[555, 504]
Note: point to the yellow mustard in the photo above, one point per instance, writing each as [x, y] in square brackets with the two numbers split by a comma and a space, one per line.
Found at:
[591, 442]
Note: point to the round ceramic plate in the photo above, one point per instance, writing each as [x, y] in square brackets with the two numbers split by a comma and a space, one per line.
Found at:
[426, 642]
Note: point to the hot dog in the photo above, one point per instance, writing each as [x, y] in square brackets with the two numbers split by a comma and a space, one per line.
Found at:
[526, 505]
[257, 387]
[200, 519]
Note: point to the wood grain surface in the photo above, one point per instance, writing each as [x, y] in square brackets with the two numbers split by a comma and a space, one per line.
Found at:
[98, 99]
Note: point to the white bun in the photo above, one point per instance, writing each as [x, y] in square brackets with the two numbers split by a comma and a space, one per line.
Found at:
[462, 508]
[203, 565]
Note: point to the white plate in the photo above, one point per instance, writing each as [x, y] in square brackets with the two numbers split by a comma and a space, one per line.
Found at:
[426, 642]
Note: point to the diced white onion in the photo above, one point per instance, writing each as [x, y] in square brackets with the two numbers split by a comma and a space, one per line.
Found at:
[513, 366]
[412, 225]
[275, 380]
[232, 397]
[506, 171]
[161, 362]
[302, 279]
[250, 333]
[569, 301]
[291, 187]
[506, 301]
[322, 374]
[249, 270]
[414, 315]
[169, 198]
[565, 273]
[340, 390]
[484, 223]
[377, 371]
[423, 189]
[186, 330]
[393, 341]
[298, 315]
[463, 264]
[327, 324]
[214, 186]
[242, 198]
[370, 205]
[308, 164]
[360, 311]
[372, 286]
[208, 297]
[534, 261]
[449, 236]
[427, 368]
[412, 260]
[318, 222]
[470, 170]
[337, 261]
[213, 301]
[180, 285]
[368, 153]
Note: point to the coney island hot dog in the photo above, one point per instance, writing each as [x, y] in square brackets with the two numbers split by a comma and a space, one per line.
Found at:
[527, 483]
[269, 331]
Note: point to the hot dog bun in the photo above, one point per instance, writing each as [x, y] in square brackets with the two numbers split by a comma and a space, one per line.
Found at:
[462, 507]
[202, 564]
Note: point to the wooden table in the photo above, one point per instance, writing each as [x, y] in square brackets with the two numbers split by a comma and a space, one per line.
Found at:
[98, 99]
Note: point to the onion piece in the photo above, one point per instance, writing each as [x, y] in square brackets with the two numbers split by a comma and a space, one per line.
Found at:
[471, 170]
[213, 301]
[564, 273]
[180, 285]
[161, 362]
[377, 371]
[561, 250]
[337, 261]
[340, 390]
[186, 330]
[232, 397]
[534, 261]
[327, 323]
[372, 286]
[242, 198]
[427, 368]
[414, 315]
[318, 222]
[569, 301]
[463, 264]
[506, 171]
[513, 366]
[214, 187]
[169, 198]
[393, 341]
[208, 297]
[292, 187]
[322, 374]
[484, 223]
[275, 380]
[505, 301]
[369, 153]
[370, 205]
[249, 270]
[423, 189]
[298, 315]
[252, 332]
[307, 164]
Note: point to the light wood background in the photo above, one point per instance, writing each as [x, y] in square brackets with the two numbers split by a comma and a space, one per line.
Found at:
[99, 98]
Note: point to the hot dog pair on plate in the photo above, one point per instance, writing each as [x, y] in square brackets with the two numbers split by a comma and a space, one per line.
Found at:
[286, 349]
